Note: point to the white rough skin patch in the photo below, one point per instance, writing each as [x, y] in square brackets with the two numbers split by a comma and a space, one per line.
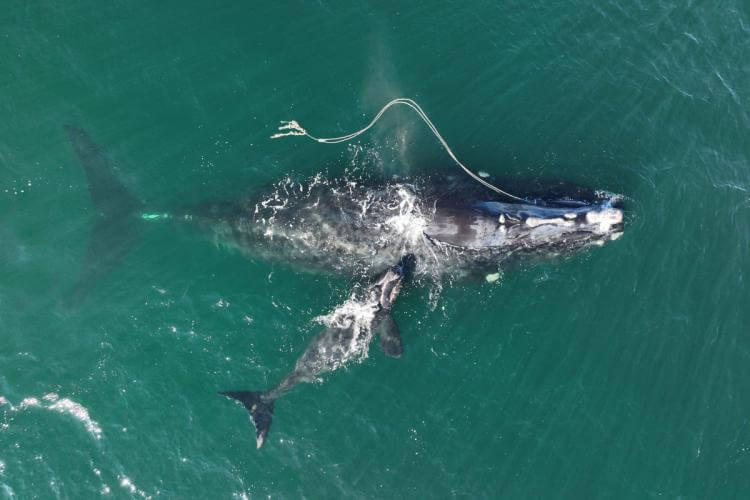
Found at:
[604, 219]
[570, 215]
[491, 278]
[615, 236]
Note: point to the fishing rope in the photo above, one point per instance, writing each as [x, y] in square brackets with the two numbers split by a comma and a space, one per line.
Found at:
[288, 128]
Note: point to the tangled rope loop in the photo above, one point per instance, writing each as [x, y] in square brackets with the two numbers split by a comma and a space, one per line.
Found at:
[291, 127]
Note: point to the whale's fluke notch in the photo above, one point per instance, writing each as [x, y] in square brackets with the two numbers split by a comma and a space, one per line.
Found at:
[260, 406]
[390, 337]
[116, 229]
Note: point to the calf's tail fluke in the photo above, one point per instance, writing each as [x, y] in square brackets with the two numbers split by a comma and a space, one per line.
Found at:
[116, 228]
[260, 406]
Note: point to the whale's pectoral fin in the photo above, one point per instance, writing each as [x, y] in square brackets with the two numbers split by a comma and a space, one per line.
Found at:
[390, 337]
[260, 406]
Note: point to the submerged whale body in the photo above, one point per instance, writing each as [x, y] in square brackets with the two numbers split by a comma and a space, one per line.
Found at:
[357, 228]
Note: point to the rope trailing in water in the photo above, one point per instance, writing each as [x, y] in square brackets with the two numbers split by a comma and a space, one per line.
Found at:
[288, 128]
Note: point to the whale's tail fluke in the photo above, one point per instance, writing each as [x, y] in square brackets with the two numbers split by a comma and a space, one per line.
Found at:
[116, 229]
[260, 406]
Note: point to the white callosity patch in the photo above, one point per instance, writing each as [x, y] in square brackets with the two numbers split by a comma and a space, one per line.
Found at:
[491, 278]
[65, 406]
[604, 219]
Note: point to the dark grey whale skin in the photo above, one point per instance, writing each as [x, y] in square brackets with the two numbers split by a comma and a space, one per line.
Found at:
[346, 227]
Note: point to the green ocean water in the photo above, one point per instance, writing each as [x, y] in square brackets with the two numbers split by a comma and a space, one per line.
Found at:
[623, 372]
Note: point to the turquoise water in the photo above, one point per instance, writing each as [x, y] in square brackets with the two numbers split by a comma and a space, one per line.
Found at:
[621, 372]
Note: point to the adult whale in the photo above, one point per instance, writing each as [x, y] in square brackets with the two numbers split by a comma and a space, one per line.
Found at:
[359, 227]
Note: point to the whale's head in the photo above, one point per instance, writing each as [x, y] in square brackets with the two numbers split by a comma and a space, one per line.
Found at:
[405, 267]
[554, 227]
[388, 285]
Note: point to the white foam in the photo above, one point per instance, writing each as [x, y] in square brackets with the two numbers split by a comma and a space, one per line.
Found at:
[65, 406]
[127, 484]
[356, 315]
[409, 222]
[27, 402]
[77, 411]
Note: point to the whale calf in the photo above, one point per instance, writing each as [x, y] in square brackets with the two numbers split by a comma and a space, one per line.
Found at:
[346, 338]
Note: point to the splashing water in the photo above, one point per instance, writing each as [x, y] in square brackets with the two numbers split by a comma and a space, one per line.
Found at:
[65, 406]
[356, 315]
[409, 222]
